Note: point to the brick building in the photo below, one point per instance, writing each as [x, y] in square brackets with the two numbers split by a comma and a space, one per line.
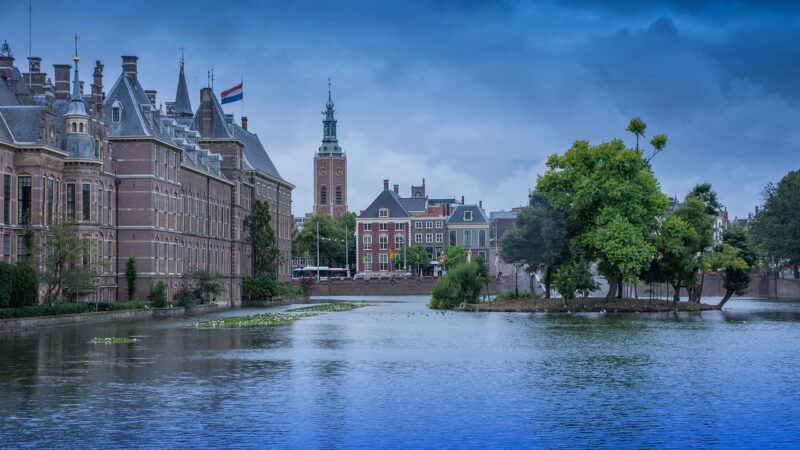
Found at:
[170, 189]
[330, 168]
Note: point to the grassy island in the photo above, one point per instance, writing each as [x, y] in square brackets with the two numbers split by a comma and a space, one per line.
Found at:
[329, 307]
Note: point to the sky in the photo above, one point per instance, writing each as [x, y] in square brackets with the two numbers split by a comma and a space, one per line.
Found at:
[471, 95]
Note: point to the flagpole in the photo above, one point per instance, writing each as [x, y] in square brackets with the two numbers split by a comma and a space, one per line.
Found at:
[241, 81]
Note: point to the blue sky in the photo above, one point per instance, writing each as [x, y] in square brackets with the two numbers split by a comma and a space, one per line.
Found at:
[471, 95]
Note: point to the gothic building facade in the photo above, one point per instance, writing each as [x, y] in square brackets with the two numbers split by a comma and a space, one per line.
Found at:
[330, 169]
[170, 189]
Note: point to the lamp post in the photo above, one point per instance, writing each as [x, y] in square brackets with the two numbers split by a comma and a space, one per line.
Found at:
[317, 250]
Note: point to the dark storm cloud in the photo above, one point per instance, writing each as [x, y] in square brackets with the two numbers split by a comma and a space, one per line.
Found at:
[472, 95]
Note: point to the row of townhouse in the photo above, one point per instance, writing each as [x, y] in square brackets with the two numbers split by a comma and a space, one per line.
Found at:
[171, 189]
[391, 224]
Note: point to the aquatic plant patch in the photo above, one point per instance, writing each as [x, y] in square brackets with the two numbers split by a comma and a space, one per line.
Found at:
[258, 320]
[113, 340]
[329, 307]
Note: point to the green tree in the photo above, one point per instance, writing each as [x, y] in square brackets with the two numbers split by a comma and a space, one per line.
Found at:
[266, 255]
[659, 142]
[612, 202]
[158, 295]
[131, 273]
[331, 239]
[538, 239]
[460, 284]
[573, 277]
[695, 212]
[482, 273]
[6, 288]
[734, 261]
[774, 227]
[206, 285]
[24, 285]
[708, 196]
[637, 127]
[416, 258]
[674, 262]
[63, 251]
[454, 257]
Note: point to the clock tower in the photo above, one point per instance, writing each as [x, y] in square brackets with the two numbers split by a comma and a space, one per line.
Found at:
[330, 168]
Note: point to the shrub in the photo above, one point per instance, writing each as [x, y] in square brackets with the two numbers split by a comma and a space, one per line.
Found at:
[186, 298]
[6, 274]
[121, 306]
[158, 295]
[460, 284]
[266, 287]
[44, 310]
[574, 277]
[24, 285]
[306, 284]
[512, 295]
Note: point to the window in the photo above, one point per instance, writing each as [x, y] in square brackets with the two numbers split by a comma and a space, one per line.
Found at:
[428, 238]
[49, 194]
[482, 255]
[74, 127]
[85, 211]
[338, 195]
[99, 204]
[429, 225]
[24, 199]
[481, 238]
[383, 226]
[399, 226]
[367, 242]
[71, 202]
[439, 238]
[453, 235]
[22, 255]
[439, 224]
[323, 195]
[368, 226]
[467, 238]
[383, 212]
[384, 260]
[383, 242]
[367, 262]
[418, 238]
[399, 240]
[116, 113]
[417, 225]
[467, 216]
[7, 248]
[6, 199]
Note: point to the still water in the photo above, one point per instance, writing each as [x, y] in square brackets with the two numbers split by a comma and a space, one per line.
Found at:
[398, 375]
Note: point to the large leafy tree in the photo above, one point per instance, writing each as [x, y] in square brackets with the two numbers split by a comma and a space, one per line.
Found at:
[674, 262]
[62, 270]
[612, 201]
[415, 258]
[538, 239]
[261, 236]
[332, 236]
[776, 228]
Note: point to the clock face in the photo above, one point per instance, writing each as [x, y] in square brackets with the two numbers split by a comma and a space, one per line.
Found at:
[339, 172]
[322, 172]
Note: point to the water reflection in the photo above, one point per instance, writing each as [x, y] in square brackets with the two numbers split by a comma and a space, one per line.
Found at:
[398, 375]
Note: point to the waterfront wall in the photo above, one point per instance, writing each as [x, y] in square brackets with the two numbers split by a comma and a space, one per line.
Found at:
[379, 287]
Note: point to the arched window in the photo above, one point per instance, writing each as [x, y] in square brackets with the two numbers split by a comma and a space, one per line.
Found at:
[338, 195]
[323, 195]
[81, 127]
[74, 127]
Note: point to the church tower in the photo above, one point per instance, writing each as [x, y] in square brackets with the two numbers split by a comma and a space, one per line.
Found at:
[330, 168]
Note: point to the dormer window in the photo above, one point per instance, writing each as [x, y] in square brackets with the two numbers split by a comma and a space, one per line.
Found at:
[383, 212]
[467, 216]
[116, 112]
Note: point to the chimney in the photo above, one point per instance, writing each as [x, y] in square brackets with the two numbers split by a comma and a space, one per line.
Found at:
[206, 97]
[97, 85]
[151, 95]
[34, 64]
[396, 188]
[462, 199]
[385, 185]
[244, 122]
[6, 66]
[229, 118]
[129, 66]
[62, 81]
[480, 204]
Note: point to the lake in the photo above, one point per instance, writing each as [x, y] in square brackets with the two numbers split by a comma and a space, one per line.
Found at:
[396, 374]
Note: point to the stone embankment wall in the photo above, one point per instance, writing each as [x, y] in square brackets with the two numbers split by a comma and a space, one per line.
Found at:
[379, 287]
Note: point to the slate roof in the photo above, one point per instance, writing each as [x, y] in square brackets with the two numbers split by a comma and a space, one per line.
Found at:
[255, 156]
[386, 199]
[7, 96]
[414, 204]
[457, 217]
[21, 123]
[183, 106]
[220, 128]
[502, 215]
[139, 117]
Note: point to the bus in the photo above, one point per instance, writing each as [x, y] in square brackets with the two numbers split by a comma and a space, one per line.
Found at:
[324, 272]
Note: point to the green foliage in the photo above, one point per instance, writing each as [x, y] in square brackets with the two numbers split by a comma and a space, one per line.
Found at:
[158, 295]
[131, 273]
[574, 277]
[774, 228]
[512, 295]
[329, 307]
[734, 261]
[266, 288]
[454, 257]
[332, 236]
[611, 201]
[637, 127]
[119, 306]
[186, 298]
[460, 284]
[261, 235]
[708, 196]
[63, 272]
[6, 278]
[416, 258]
[24, 285]
[255, 321]
[538, 239]
[56, 309]
[674, 262]
[206, 285]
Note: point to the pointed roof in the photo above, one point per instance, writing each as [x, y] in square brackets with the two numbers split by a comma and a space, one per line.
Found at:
[220, 128]
[183, 106]
[478, 217]
[77, 107]
[255, 155]
[330, 142]
[386, 199]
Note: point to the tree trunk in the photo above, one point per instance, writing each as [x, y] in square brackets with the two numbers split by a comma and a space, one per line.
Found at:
[676, 295]
[612, 288]
[796, 270]
[620, 285]
[728, 295]
[548, 274]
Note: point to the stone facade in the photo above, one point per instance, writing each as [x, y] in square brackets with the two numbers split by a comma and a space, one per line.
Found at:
[171, 190]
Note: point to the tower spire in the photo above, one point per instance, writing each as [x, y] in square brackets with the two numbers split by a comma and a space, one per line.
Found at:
[183, 106]
[330, 142]
[76, 84]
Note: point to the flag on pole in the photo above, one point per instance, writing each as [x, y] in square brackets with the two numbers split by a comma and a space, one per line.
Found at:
[233, 94]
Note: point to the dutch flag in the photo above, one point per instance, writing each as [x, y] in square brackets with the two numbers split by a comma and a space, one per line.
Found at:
[233, 94]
